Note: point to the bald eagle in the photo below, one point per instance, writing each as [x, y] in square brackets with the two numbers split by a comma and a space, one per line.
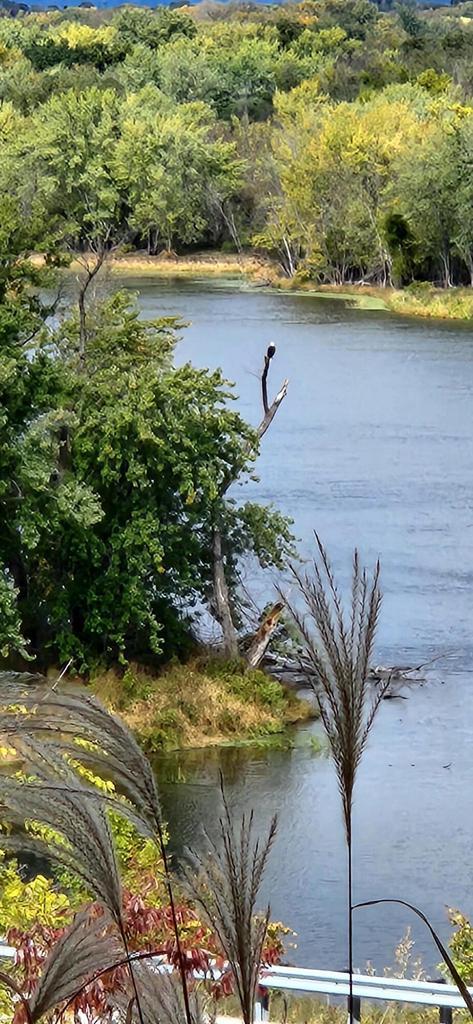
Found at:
[271, 351]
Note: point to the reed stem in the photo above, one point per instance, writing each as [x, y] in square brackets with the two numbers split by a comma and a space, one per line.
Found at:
[132, 974]
[350, 921]
[167, 874]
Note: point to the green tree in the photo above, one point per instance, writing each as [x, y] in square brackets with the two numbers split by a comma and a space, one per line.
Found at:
[335, 163]
[174, 168]
[356, 18]
[233, 71]
[411, 23]
[426, 183]
[28, 384]
[153, 28]
[126, 475]
[462, 154]
[72, 140]
[72, 143]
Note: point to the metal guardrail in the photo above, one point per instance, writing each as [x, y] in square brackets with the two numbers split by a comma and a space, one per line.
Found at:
[304, 981]
[6, 952]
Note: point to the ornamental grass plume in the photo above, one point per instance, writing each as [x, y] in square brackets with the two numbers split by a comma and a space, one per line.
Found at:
[162, 1001]
[72, 717]
[51, 729]
[337, 645]
[87, 946]
[72, 830]
[224, 884]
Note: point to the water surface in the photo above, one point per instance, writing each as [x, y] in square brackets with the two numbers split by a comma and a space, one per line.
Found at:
[372, 447]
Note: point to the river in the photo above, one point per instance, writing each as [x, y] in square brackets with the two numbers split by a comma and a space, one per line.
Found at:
[372, 447]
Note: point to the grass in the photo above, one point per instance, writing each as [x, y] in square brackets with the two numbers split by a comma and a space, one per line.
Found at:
[292, 1010]
[208, 264]
[361, 298]
[424, 300]
[299, 1009]
[201, 703]
[419, 299]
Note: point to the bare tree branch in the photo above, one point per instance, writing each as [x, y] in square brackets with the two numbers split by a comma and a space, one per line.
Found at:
[90, 273]
[272, 410]
[269, 410]
[221, 596]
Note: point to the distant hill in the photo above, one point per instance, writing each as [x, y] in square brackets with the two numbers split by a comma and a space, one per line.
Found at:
[14, 7]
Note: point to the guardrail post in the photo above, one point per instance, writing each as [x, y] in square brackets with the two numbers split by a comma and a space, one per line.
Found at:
[261, 1005]
[445, 1012]
[355, 1016]
[354, 1010]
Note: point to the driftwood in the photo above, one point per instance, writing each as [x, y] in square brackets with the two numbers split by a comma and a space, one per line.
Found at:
[395, 674]
[298, 673]
[404, 673]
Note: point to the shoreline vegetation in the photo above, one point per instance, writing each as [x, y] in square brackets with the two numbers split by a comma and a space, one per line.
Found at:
[201, 703]
[419, 299]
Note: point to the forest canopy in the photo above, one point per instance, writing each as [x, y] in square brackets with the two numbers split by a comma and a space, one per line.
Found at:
[337, 138]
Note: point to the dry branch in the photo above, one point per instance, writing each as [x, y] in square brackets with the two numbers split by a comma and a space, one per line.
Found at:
[262, 637]
[221, 595]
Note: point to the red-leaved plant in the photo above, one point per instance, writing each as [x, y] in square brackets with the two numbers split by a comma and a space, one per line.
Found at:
[149, 932]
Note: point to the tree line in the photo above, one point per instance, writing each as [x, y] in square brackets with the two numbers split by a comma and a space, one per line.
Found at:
[336, 138]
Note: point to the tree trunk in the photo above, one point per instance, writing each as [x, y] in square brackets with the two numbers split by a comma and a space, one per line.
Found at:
[82, 322]
[91, 272]
[447, 280]
[222, 598]
[260, 641]
[469, 264]
[287, 259]
[229, 220]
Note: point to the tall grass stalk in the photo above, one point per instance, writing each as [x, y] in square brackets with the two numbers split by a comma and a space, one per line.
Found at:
[225, 885]
[459, 982]
[338, 644]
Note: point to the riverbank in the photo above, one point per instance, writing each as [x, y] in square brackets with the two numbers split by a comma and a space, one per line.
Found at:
[207, 264]
[422, 300]
[201, 703]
